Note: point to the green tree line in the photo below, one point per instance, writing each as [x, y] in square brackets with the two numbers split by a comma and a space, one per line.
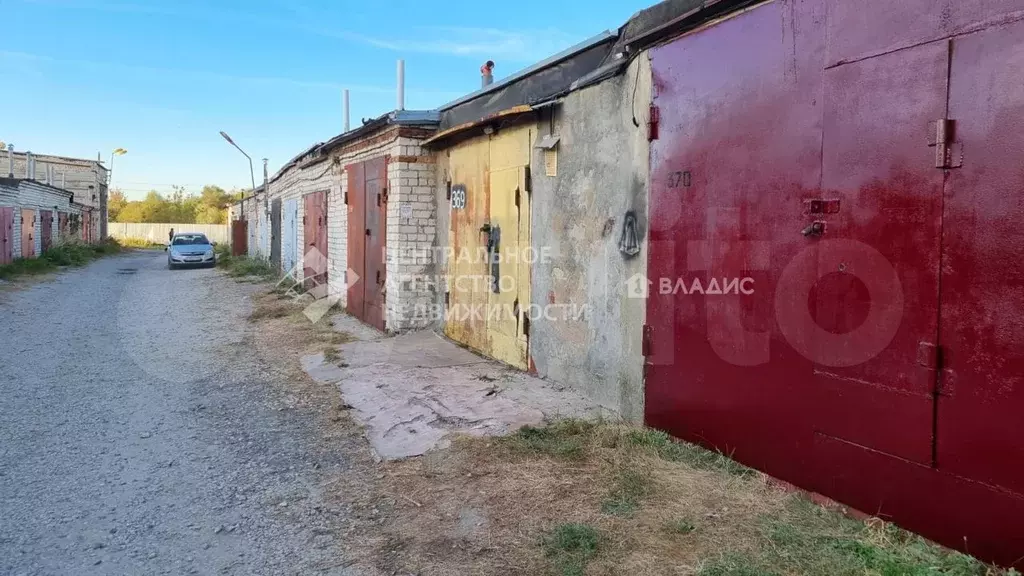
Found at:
[207, 207]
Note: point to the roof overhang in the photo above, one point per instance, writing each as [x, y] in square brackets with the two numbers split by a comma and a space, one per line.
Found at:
[510, 115]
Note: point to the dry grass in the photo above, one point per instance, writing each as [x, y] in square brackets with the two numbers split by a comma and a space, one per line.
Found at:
[578, 498]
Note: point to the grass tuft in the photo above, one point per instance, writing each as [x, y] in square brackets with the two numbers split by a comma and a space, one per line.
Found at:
[64, 254]
[684, 452]
[141, 243]
[570, 547]
[631, 486]
[680, 526]
[561, 439]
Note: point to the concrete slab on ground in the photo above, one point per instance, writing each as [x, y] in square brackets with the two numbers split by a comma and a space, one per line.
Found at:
[413, 391]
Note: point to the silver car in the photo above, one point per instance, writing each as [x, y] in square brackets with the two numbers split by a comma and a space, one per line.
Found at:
[190, 249]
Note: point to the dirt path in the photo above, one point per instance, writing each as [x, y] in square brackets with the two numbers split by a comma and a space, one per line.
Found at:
[144, 433]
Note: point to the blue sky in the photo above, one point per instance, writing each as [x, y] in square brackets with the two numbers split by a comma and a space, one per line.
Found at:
[162, 77]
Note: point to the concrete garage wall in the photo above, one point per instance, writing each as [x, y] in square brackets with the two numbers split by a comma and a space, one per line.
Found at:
[602, 173]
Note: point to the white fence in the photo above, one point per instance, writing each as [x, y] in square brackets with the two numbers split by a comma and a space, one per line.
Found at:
[220, 233]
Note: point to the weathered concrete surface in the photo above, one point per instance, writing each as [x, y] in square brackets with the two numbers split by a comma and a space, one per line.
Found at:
[578, 216]
[141, 434]
[412, 392]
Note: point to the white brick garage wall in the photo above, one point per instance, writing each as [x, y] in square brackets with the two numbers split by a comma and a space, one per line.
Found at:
[410, 212]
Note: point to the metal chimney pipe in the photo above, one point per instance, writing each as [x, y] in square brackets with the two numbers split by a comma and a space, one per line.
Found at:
[401, 85]
[10, 160]
[486, 74]
[344, 99]
[49, 174]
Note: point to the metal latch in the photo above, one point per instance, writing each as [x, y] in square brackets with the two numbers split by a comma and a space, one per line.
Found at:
[948, 149]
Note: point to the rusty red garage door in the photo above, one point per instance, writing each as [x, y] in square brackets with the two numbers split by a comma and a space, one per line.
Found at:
[45, 229]
[314, 251]
[239, 237]
[367, 230]
[6, 234]
[835, 299]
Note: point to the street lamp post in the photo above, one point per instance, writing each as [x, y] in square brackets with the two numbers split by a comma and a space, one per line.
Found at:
[252, 175]
[110, 172]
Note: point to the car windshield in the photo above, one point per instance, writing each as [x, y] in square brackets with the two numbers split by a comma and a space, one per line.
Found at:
[189, 240]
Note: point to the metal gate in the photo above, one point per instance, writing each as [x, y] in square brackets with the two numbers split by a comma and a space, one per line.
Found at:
[45, 230]
[239, 237]
[28, 233]
[62, 226]
[289, 237]
[275, 233]
[489, 288]
[314, 251]
[833, 263]
[6, 234]
[367, 230]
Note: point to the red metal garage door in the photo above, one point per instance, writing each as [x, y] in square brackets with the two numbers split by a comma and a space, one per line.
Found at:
[6, 235]
[62, 226]
[981, 429]
[314, 256]
[797, 157]
[45, 229]
[239, 237]
[367, 230]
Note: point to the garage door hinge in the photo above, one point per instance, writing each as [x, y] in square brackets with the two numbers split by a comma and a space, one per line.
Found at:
[447, 298]
[648, 335]
[652, 124]
[528, 178]
[948, 148]
[384, 194]
[346, 198]
[448, 191]
[517, 197]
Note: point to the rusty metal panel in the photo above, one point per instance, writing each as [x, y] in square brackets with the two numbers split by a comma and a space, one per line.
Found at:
[62, 226]
[509, 304]
[239, 237]
[980, 432]
[6, 234]
[28, 235]
[376, 247]
[275, 233]
[356, 273]
[45, 230]
[314, 256]
[467, 267]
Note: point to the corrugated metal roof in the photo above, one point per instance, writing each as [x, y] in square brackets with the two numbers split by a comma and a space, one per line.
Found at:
[605, 36]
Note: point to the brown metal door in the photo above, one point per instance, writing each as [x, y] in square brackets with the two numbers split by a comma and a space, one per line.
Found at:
[62, 226]
[376, 226]
[239, 237]
[6, 235]
[314, 252]
[355, 277]
[275, 233]
[45, 229]
[28, 233]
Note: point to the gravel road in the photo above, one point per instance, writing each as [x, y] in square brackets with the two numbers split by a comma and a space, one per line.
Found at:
[141, 434]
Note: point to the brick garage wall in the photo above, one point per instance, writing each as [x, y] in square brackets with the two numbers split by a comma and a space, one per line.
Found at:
[410, 185]
[86, 179]
[372, 146]
[413, 277]
[294, 183]
[38, 197]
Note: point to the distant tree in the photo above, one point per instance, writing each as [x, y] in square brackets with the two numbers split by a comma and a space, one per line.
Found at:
[208, 207]
[116, 202]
